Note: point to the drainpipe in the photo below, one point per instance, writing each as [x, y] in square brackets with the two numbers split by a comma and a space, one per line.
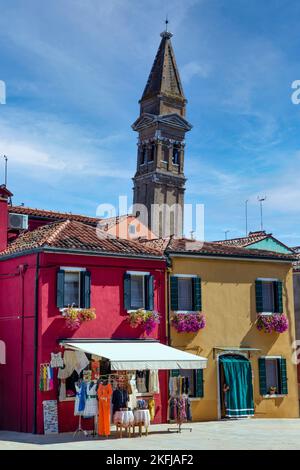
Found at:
[36, 325]
[168, 271]
[22, 268]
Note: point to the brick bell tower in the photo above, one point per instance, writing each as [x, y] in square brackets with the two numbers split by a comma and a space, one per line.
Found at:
[159, 181]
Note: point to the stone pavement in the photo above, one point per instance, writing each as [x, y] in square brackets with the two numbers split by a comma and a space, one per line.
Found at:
[238, 434]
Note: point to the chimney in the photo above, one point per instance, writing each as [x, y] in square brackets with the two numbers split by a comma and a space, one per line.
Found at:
[5, 195]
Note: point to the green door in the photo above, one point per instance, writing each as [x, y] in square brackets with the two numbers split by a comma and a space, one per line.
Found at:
[238, 377]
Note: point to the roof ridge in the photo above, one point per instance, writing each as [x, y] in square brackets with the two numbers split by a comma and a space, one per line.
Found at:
[60, 227]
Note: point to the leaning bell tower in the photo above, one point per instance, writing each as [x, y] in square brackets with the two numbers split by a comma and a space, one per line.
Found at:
[159, 181]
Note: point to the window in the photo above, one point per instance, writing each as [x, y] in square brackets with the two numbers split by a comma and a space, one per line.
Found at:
[73, 288]
[132, 229]
[138, 291]
[185, 293]
[165, 153]
[152, 153]
[269, 296]
[143, 154]
[176, 153]
[273, 376]
[193, 381]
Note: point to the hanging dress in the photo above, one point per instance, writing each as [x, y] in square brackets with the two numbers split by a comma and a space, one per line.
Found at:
[78, 401]
[104, 395]
[141, 382]
[91, 404]
[132, 396]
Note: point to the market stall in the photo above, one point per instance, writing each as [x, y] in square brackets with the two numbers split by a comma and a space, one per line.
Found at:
[119, 382]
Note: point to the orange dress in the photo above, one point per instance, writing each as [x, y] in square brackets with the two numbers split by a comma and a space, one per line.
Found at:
[104, 395]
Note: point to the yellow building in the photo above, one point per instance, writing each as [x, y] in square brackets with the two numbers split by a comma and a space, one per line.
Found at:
[232, 287]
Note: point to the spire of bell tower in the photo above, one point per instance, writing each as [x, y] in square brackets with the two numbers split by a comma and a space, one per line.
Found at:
[164, 81]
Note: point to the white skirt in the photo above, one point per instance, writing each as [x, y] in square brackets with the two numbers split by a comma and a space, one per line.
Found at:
[91, 407]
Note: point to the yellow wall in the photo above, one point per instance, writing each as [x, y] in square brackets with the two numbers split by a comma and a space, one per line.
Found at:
[229, 304]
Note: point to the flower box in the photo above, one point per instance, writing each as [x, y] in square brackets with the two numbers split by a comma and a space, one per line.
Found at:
[147, 319]
[74, 317]
[188, 322]
[278, 322]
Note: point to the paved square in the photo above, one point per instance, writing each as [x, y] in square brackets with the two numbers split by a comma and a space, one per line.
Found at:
[239, 434]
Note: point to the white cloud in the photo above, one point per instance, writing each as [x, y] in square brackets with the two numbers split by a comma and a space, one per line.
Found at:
[42, 144]
[194, 69]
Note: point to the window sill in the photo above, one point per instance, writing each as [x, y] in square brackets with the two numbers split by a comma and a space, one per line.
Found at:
[279, 395]
[267, 314]
[196, 398]
[134, 310]
[186, 312]
[73, 308]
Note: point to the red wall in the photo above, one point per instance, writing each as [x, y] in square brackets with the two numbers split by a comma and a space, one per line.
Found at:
[17, 331]
[111, 322]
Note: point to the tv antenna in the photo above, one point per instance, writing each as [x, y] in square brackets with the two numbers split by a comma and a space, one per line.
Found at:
[226, 234]
[5, 170]
[261, 200]
[246, 215]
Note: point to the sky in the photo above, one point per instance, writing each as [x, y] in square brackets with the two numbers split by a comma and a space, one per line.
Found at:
[75, 69]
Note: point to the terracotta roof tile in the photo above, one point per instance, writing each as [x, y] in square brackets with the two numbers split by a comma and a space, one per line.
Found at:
[215, 249]
[189, 246]
[253, 237]
[73, 235]
[53, 215]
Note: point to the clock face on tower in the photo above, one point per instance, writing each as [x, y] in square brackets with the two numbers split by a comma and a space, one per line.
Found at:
[159, 181]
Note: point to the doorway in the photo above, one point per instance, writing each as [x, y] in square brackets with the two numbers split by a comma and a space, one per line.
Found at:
[235, 387]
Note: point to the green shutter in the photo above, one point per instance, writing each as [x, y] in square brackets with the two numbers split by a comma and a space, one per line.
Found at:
[197, 297]
[175, 372]
[262, 376]
[199, 383]
[278, 296]
[60, 288]
[127, 296]
[85, 289]
[283, 376]
[259, 296]
[174, 292]
[149, 292]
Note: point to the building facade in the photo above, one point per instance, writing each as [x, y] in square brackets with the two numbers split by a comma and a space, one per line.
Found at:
[42, 273]
[233, 288]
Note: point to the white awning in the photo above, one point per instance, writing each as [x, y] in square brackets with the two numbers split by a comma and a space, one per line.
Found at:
[139, 355]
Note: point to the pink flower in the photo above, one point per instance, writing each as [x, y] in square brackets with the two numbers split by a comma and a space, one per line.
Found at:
[188, 323]
[277, 322]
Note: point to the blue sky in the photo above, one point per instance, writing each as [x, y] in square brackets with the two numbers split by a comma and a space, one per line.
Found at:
[75, 70]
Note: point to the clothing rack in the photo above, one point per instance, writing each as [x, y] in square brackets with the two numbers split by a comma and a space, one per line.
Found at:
[80, 429]
[179, 427]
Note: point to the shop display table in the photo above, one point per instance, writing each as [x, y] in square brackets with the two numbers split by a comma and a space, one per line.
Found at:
[124, 420]
[142, 418]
